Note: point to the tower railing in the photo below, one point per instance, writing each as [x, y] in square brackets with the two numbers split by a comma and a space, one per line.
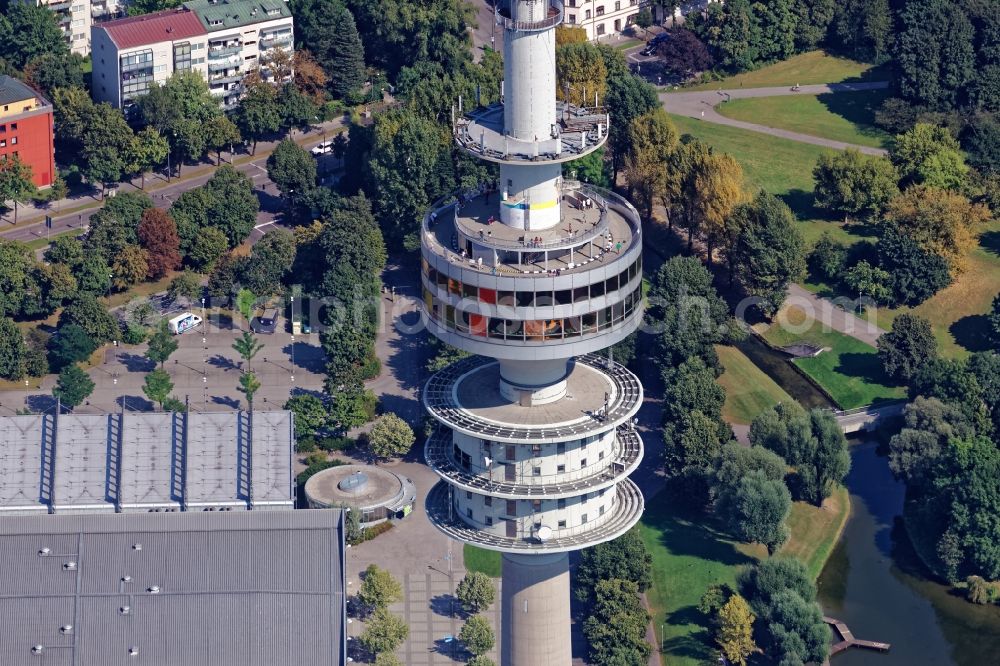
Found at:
[554, 18]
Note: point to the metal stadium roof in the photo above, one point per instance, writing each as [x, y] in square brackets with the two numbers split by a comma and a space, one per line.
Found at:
[198, 589]
[136, 461]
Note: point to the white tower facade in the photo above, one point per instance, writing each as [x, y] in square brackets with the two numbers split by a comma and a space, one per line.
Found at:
[533, 274]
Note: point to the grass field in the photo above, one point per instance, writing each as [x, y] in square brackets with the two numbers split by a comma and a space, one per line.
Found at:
[815, 530]
[748, 390]
[481, 560]
[847, 117]
[689, 554]
[803, 69]
[850, 371]
[779, 166]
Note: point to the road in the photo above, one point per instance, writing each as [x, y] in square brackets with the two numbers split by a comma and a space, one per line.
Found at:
[164, 192]
[702, 105]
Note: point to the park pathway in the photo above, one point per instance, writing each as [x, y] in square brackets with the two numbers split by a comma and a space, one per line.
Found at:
[702, 105]
[828, 315]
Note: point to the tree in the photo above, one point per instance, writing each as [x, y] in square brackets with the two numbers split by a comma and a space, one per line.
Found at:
[27, 32]
[87, 313]
[684, 54]
[869, 281]
[180, 109]
[65, 250]
[477, 635]
[384, 632]
[70, 344]
[115, 226]
[161, 345]
[735, 633]
[379, 589]
[232, 204]
[310, 412]
[249, 385]
[928, 426]
[258, 113]
[390, 437]
[269, 262]
[862, 29]
[693, 405]
[221, 132]
[206, 249]
[130, 266]
[938, 221]
[736, 461]
[150, 149]
[158, 234]
[158, 386]
[851, 183]
[628, 97]
[950, 381]
[907, 346]
[49, 71]
[12, 350]
[616, 627]
[768, 252]
[813, 19]
[776, 38]
[291, 168]
[930, 155]
[339, 52]
[755, 509]
[15, 181]
[309, 76]
[247, 346]
[353, 405]
[624, 558]
[733, 33]
[981, 142]
[581, 74]
[916, 274]
[186, 285]
[297, 109]
[73, 386]
[934, 53]
[718, 189]
[652, 138]
[476, 592]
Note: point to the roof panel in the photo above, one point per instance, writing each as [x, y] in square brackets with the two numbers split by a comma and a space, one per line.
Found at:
[84, 444]
[168, 25]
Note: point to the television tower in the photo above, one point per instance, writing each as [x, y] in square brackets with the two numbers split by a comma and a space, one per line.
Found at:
[532, 275]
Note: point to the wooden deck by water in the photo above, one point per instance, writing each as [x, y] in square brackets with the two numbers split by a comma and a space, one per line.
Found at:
[847, 639]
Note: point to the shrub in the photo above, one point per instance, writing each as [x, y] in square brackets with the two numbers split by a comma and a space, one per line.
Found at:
[369, 533]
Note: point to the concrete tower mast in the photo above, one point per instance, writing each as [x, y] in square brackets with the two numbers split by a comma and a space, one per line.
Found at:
[533, 274]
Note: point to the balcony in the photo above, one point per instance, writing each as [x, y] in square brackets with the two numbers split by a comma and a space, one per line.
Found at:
[283, 40]
[224, 51]
[625, 458]
[233, 77]
[228, 63]
[627, 509]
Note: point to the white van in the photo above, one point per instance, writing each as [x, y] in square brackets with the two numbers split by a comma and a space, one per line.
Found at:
[183, 322]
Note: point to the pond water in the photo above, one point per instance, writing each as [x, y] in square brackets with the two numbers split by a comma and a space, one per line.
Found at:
[874, 584]
[776, 365]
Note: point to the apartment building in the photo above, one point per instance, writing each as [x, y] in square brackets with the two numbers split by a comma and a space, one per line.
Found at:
[26, 129]
[223, 40]
[602, 17]
[76, 17]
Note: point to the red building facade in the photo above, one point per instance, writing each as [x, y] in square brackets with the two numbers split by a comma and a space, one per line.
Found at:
[26, 129]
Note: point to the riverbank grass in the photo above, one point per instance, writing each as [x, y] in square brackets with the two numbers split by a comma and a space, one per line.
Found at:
[804, 69]
[849, 370]
[847, 117]
[748, 390]
[816, 530]
[481, 560]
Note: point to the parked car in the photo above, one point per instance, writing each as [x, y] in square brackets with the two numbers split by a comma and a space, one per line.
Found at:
[324, 148]
[266, 322]
[654, 44]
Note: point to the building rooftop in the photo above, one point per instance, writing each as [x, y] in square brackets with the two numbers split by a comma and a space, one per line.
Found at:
[215, 15]
[138, 461]
[165, 26]
[12, 90]
[199, 589]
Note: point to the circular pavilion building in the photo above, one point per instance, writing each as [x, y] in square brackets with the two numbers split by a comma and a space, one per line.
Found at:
[534, 275]
[376, 494]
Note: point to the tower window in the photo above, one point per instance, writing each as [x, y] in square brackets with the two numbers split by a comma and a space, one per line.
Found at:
[468, 512]
[488, 500]
[561, 503]
[560, 469]
[583, 519]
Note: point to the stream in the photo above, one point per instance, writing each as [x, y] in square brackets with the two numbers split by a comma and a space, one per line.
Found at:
[874, 583]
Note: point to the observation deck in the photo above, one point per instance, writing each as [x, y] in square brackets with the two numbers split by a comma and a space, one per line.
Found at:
[575, 132]
[626, 511]
[626, 455]
[552, 18]
[466, 397]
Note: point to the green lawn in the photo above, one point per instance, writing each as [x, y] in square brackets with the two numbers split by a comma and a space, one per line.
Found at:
[850, 371]
[847, 117]
[689, 554]
[748, 390]
[481, 560]
[803, 69]
[779, 166]
[687, 557]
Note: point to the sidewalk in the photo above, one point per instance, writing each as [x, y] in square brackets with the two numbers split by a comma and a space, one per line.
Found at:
[35, 213]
